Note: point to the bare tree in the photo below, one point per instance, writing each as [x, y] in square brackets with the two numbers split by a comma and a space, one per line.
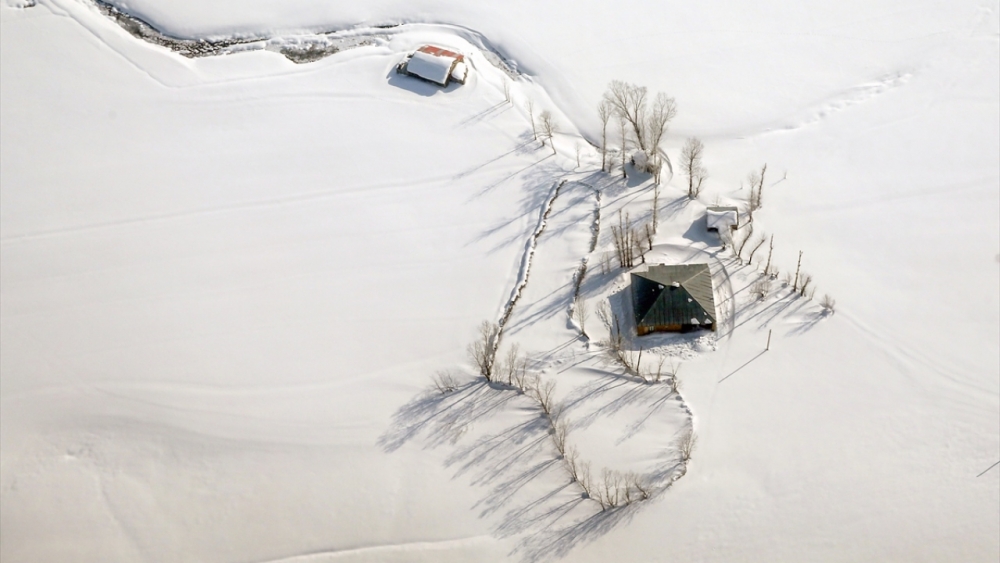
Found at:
[604, 111]
[483, 351]
[548, 129]
[544, 393]
[610, 489]
[627, 244]
[629, 103]
[659, 370]
[760, 186]
[530, 106]
[675, 380]
[691, 165]
[522, 380]
[648, 125]
[687, 445]
[829, 304]
[633, 481]
[662, 113]
[798, 268]
[761, 239]
[747, 234]
[656, 207]
[560, 430]
[580, 313]
[761, 288]
[583, 477]
[770, 250]
[444, 382]
[506, 369]
[621, 127]
[805, 280]
[756, 181]
[753, 179]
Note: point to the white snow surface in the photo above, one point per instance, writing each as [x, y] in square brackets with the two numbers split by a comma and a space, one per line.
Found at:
[222, 304]
[720, 220]
[430, 67]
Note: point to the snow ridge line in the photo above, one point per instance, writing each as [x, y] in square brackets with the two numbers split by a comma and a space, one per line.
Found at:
[299, 47]
[529, 253]
[595, 230]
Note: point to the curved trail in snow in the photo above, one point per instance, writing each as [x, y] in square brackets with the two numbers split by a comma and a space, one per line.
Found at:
[529, 253]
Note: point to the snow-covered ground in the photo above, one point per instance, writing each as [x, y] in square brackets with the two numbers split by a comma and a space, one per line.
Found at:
[227, 281]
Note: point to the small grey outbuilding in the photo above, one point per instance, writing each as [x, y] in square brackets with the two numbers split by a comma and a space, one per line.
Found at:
[720, 219]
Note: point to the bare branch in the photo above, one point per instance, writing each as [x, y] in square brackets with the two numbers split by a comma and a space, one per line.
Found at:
[687, 445]
[444, 382]
[604, 111]
[691, 157]
[483, 351]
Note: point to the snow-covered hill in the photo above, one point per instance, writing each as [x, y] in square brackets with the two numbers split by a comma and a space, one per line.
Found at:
[227, 282]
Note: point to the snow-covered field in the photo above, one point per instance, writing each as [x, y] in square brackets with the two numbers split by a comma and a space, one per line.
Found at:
[227, 282]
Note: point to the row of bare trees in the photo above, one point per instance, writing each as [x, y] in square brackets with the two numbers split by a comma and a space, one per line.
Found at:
[613, 489]
[631, 241]
[800, 282]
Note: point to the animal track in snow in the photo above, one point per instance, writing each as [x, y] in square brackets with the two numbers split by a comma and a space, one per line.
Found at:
[848, 98]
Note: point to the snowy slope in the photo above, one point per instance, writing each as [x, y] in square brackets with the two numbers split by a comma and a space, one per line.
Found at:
[227, 281]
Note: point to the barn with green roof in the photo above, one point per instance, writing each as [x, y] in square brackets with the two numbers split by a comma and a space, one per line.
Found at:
[676, 298]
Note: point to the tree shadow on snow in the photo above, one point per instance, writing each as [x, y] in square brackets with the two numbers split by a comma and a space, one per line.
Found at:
[527, 489]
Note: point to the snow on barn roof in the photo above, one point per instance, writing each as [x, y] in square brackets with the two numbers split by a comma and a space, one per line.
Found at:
[433, 63]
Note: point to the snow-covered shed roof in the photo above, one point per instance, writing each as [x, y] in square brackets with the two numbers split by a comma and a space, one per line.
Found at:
[435, 64]
[722, 218]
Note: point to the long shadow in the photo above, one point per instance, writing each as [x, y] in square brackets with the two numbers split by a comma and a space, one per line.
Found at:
[654, 408]
[489, 112]
[418, 86]
[441, 417]
[812, 319]
[732, 373]
[542, 309]
[775, 308]
[535, 193]
[517, 149]
[555, 542]
[523, 474]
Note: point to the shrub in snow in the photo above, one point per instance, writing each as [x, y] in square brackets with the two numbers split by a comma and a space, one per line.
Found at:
[445, 382]
[687, 444]
[762, 288]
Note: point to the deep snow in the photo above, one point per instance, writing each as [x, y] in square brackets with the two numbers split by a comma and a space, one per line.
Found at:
[226, 280]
